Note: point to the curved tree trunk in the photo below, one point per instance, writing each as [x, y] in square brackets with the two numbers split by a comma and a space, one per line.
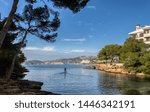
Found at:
[8, 22]
[11, 68]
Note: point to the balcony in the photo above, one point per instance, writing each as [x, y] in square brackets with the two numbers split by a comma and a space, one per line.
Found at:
[139, 38]
[147, 35]
[147, 42]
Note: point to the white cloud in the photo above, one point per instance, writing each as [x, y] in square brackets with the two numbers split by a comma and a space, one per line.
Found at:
[75, 51]
[35, 53]
[75, 40]
[48, 49]
[40, 49]
[78, 50]
[91, 7]
[31, 48]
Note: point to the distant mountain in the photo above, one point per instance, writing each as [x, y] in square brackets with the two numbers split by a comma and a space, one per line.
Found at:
[76, 60]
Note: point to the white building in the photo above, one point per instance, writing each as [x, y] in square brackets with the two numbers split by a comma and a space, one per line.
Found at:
[85, 62]
[142, 33]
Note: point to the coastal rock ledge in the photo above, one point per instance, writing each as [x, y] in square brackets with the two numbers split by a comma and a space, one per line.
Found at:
[116, 68]
[22, 87]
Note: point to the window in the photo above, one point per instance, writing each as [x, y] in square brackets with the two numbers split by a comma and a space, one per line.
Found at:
[141, 34]
[147, 31]
[148, 39]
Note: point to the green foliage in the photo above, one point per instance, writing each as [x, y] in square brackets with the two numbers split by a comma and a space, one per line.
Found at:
[134, 45]
[134, 54]
[38, 21]
[145, 60]
[132, 62]
[74, 5]
[109, 52]
[35, 20]
[7, 53]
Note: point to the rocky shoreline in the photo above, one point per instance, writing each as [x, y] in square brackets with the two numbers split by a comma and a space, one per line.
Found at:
[116, 68]
[22, 87]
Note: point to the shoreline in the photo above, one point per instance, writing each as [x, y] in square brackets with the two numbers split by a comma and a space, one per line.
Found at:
[116, 68]
[22, 87]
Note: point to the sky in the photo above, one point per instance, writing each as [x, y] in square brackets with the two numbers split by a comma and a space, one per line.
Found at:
[100, 23]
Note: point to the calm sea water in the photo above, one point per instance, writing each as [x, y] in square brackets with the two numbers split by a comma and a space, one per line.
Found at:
[81, 81]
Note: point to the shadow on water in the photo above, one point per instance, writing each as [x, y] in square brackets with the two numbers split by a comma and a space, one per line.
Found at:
[136, 86]
[127, 85]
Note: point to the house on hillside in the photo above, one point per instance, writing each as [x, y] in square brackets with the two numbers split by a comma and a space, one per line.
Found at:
[85, 62]
[142, 33]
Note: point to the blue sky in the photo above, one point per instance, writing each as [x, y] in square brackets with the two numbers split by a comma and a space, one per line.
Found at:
[100, 23]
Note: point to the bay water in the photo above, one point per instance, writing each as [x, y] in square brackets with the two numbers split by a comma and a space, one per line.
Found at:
[77, 80]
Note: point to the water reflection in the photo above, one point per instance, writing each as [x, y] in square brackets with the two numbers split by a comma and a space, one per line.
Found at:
[77, 80]
[121, 84]
[108, 82]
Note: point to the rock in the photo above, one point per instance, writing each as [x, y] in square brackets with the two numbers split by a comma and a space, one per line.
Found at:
[116, 68]
[12, 91]
[90, 67]
[22, 87]
[30, 84]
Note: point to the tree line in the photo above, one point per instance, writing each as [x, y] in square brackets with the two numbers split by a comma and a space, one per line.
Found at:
[134, 54]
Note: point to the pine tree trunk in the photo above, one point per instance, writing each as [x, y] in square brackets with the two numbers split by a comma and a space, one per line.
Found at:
[11, 69]
[8, 22]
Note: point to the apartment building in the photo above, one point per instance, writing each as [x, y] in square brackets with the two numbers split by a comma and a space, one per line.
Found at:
[142, 33]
